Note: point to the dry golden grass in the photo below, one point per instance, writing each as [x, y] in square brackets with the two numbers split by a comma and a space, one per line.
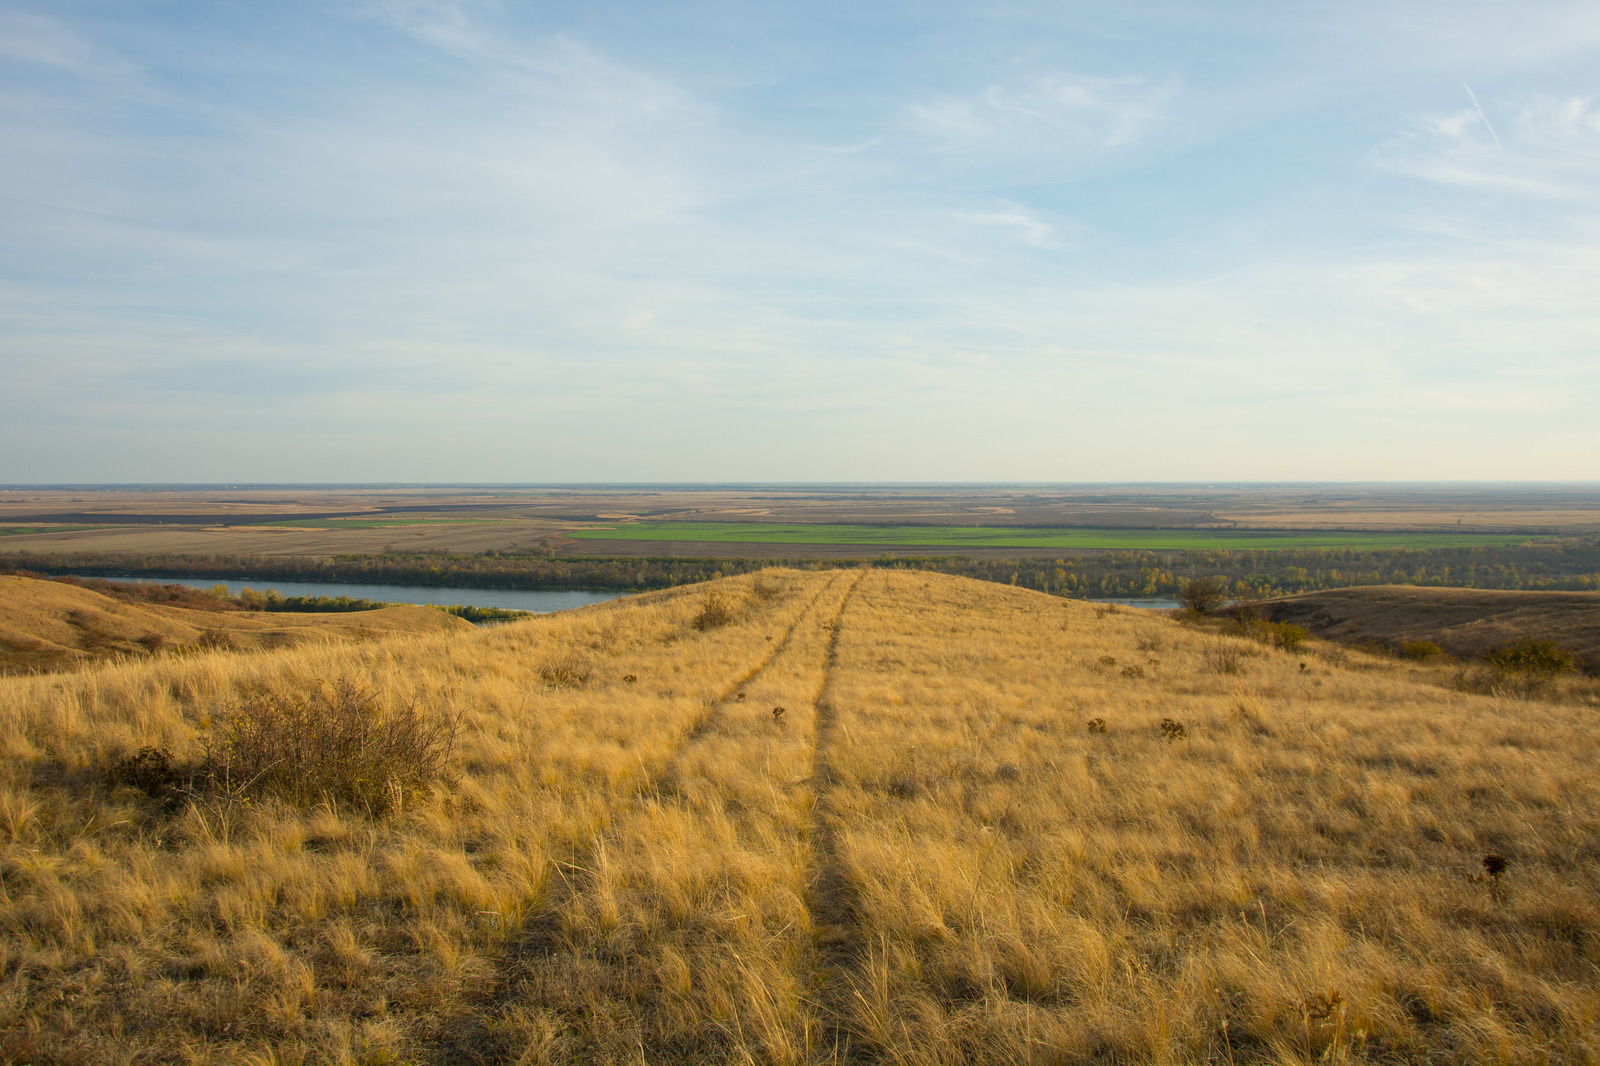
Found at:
[47, 625]
[927, 856]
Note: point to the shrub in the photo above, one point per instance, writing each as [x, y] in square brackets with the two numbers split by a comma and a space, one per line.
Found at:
[1224, 658]
[1173, 729]
[569, 671]
[1288, 636]
[1203, 595]
[1530, 656]
[151, 771]
[714, 611]
[1097, 725]
[216, 640]
[1419, 650]
[336, 744]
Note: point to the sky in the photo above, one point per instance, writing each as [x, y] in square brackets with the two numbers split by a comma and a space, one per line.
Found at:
[724, 241]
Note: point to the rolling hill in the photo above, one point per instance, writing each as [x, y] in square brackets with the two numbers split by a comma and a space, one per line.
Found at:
[1464, 622]
[48, 625]
[799, 817]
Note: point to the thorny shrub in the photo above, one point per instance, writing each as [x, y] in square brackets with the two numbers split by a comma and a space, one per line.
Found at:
[337, 743]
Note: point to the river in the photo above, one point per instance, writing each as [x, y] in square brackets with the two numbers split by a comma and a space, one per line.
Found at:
[540, 601]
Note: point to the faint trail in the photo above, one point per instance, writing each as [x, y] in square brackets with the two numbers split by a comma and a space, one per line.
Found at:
[540, 937]
[832, 898]
[702, 724]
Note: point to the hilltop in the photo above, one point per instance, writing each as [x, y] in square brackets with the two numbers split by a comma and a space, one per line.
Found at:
[49, 625]
[801, 817]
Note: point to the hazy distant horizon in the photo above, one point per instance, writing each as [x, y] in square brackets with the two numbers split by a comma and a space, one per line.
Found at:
[811, 485]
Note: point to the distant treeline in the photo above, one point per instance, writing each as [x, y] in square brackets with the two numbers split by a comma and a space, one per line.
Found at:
[1567, 566]
[1572, 565]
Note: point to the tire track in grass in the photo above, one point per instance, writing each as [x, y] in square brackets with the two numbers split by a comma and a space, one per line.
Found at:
[779, 646]
[744, 783]
[832, 898]
[540, 941]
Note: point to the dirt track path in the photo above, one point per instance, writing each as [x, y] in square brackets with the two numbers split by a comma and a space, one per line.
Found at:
[682, 931]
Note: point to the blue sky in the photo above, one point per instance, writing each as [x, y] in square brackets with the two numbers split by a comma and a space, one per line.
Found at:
[728, 241]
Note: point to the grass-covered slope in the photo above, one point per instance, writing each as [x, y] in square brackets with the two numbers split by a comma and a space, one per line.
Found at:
[987, 825]
[1463, 622]
[48, 625]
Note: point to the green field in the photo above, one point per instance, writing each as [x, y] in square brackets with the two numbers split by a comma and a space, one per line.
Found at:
[1003, 537]
[23, 531]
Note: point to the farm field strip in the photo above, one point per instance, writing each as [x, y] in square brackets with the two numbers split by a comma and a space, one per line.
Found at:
[356, 523]
[1020, 537]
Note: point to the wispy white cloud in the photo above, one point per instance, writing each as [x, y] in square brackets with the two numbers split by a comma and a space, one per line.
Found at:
[1108, 111]
[1551, 150]
[1028, 227]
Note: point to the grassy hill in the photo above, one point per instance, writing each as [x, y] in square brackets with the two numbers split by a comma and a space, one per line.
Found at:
[987, 825]
[1464, 622]
[47, 625]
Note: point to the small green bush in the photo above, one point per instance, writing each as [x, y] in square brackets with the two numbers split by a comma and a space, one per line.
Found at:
[1419, 650]
[1530, 656]
[1288, 636]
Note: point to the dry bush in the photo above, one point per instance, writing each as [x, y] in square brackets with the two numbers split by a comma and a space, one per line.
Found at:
[338, 743]
[714, 612]
[215, 640]
[1224, 657]
[1202, 596]
[567, 671]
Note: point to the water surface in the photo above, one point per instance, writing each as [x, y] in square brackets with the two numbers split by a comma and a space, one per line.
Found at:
[541, 601]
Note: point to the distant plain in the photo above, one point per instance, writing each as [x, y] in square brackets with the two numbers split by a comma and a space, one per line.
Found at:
[323, 520]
